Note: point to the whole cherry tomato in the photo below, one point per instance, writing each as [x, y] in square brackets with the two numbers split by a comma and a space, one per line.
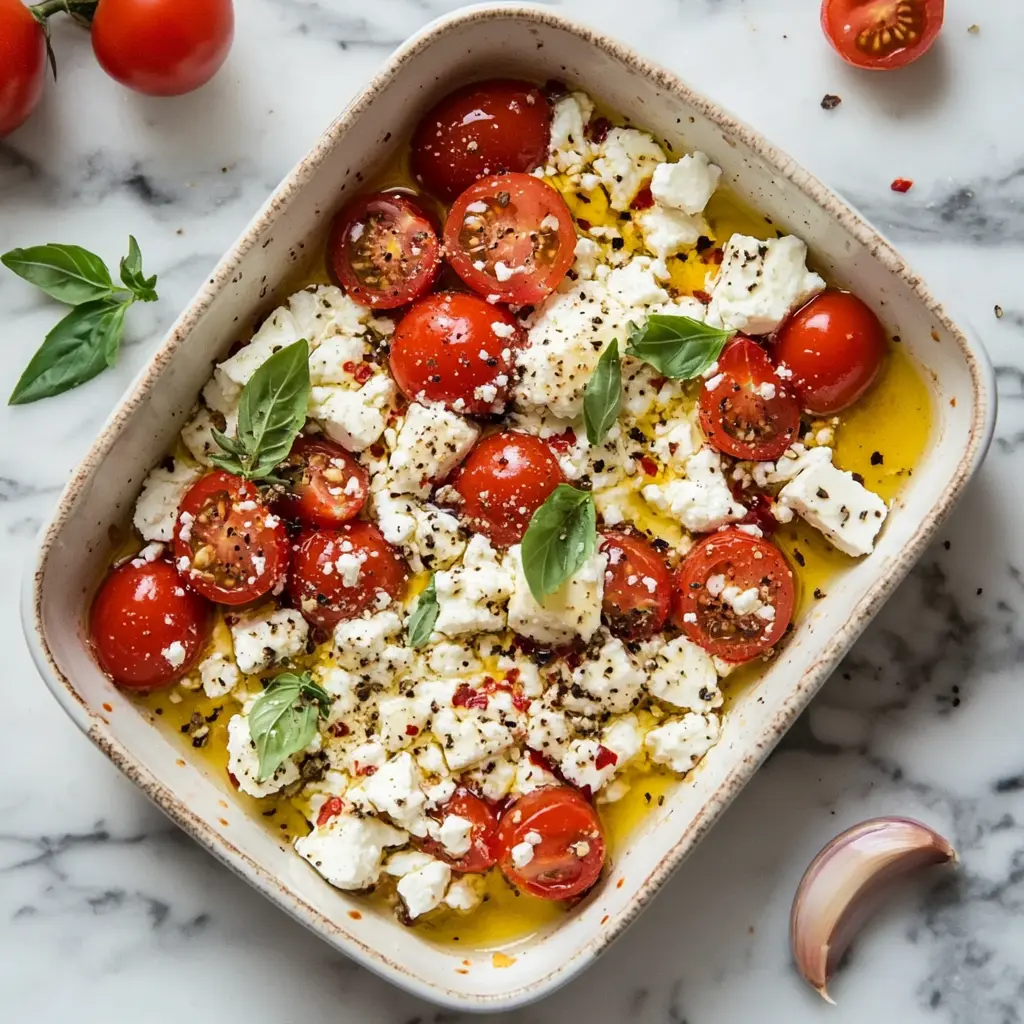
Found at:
[22, 64]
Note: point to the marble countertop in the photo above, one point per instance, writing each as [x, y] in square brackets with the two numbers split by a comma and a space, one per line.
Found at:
[109, 913]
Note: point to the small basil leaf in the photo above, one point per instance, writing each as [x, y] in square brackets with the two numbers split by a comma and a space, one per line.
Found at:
[280, 723]
[131, 274]
[424, 615]
[115, 332]
[561, 536]
[315, 692]
[677, 346]
[602, 397]
[68, 273]
[229, 444]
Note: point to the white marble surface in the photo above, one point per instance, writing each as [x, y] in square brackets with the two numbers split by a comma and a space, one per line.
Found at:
[107, 913]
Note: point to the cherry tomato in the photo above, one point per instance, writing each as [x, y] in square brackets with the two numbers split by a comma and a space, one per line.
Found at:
[482, 128]
[482, 853]
[749, 413]
[637, 586]
[147, 628]
[834, 347]
[504, 480]
[163, 47]
[511, 238]
[882, 34]
[702, 606]
[337, 574]
[568, 843]
[326, 485]
[22, 64]
[384, 250]
[228, 545]
[456, 349]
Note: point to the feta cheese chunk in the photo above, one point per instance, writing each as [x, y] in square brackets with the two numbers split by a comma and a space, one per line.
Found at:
[472, 596]
[591, 763]
[244, 762]
[197, 434]
[456, 835]
[701, 500]
[686, 185]
[667, 232]
[263, 640]
[428, 536]
[760, 283]
[612, 678]
[423, 890]
[683, 674]
[681, 742]
[569, 149]
[348, 850]
[156, 511]
[219, 674]
[400, 721]
[354, 419]
[467, 737]
[626, 159]
[464, 893]
[394, 789]
[431, 442]
[364, 647]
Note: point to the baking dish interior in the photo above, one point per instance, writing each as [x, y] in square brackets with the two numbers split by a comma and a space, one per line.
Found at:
[246, 284]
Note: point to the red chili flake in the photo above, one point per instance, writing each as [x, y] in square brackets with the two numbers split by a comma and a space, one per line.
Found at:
[573, 659]
[365, 769]
[658, 382]
[649, 466]
[521, 702]
[512, 675]
[605, 757]
[330, 809]
[562, 442]
[364, 371]
[412, 730]
[233, 779]
[702, 296]
[339, 729]
[902, 185]
[597, 130]
[716, 256]
[467, 697]
[584, 224]
[759, 513]
[644, 199]
[377, 451]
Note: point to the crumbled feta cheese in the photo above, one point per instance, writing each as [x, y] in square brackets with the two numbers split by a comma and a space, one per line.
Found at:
[423, 890]
[667, 232]
[612, 678]
[686, 185]
[400, 721]
[626, 159]
[394, 789]
[244, 762]
[681, 742]
[493, 779]
[219, 674]
[431, 442]
[464, 893]
[262, 640]
[362, 646]
[348, 850]
[701, 501]
[683, 674]
[522, 854]
[456, 835]
[156, 511]
[175, 654]
[569, 149]
[472, 596]
[353, 419]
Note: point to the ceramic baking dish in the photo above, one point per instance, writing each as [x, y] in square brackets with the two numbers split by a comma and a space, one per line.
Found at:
[484, 42]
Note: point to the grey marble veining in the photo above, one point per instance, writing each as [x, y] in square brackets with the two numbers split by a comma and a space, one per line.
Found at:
[108, 913]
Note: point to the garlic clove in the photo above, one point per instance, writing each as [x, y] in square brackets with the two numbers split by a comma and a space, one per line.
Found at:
[844, 883]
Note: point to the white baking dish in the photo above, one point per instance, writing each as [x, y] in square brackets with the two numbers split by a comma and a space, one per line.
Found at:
[75, 546]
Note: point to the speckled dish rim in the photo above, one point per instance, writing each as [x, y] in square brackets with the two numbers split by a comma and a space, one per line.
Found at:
[97, 729]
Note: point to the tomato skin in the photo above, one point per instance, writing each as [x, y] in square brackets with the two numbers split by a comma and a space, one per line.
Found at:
[504, 480]
[855, 28]
[321, 594]
[834, 347]
[141, 609]
[483, 853]
[483, 128]
[563, 818]
[631, 609]
[520, 229]
[311, 497]
[22, 64]
[436, 352]
[163, 47]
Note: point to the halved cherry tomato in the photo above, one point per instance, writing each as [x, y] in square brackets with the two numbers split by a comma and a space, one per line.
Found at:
[637, 586]
[326, 485]
[482, 128]
[504, 480]
[703, 609]
[337, 574]
[834, 347]
[483, 851]
[511, 238]
[228, 544]
[567, 840]
[456, 349]
[749, 413]
[147, 629]
[384, 250]
[22, 64]
[882, 34]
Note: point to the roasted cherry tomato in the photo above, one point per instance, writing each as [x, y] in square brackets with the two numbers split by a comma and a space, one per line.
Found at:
[456, 349]
[482, 852]
[637, 586]
[568, 844]
[511, 238]
[326, 485]
[734, 595]
[163, 47]
[482, 128]
[22, 64]
[749, 413]
[227, 543]
[882, 34]
[147, 628]
[384, 250]
[834, 348]
[338, 574]
[504, 480]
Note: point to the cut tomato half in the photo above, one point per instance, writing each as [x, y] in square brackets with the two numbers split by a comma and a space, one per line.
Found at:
[882, 34]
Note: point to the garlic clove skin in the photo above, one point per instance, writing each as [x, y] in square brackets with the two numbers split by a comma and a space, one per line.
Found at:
[844, 885]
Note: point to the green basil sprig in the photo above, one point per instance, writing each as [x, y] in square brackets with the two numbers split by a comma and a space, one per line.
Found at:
[88, 339]
[602, 397]
[424, 615]
[561, 536]
[283, 718]
[271, 413]
[677, 346]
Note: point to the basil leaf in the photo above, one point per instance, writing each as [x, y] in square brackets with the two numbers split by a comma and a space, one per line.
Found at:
[82, 345]
[602, 397]
[68, 273]
[424, 615]
[143, 288]
[282, 721]
[561, 536]
[677, 346]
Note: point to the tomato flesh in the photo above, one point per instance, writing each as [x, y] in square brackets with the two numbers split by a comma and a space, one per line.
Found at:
[146, 627]
[882, 34]
[456, 349]
[713, 605]
[511, 238]
[504, 480]
[22, 64]
[749, 413]
[229, 546]
[567, 840]
[384, 250]
[483, 128]
[834, 348]
[637, 587]
[482, 853]
[326, 485]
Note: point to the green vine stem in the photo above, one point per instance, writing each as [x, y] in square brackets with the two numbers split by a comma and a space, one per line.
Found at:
[81, 10]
